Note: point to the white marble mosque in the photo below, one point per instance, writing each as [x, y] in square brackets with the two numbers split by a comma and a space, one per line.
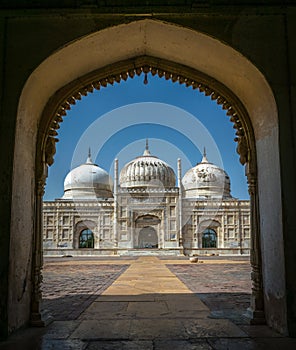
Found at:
[146, 210]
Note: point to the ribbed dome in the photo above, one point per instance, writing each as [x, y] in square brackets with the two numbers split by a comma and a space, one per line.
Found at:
[87, 181]
[147, 171]
[206, 180]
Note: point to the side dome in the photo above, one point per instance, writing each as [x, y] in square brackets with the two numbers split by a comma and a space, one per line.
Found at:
[147, 171]
[87, 181]
[206, 180]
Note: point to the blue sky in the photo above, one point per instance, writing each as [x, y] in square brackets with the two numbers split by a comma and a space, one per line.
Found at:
[116, 120]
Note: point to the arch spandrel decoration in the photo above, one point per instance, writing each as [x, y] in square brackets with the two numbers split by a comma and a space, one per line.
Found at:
[62, 101]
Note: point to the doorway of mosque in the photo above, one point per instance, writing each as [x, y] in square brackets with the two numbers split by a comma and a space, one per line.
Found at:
[209, 238]
[86, 239]
[148, 238]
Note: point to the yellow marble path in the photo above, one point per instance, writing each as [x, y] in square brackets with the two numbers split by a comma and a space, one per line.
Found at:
[149, 302]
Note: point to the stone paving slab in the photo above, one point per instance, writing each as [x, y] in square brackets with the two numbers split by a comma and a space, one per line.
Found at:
[106, 310]
[160, 306]
[150, 329]
[205, 328]
[68, 344]
[172, 344]
[260, 331]
[60, 329]
[121, 345]
[135, 297]
[100, 329]
[185, 302]
[253, 344]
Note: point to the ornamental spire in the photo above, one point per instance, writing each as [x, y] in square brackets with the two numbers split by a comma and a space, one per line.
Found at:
[204, 158]
[146, 152]
[89, 160]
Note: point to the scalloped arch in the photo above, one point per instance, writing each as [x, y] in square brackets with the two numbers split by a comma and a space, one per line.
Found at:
[227, 74]
[148, 65]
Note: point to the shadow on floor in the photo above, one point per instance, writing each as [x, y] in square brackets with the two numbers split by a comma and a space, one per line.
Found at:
[145, 321]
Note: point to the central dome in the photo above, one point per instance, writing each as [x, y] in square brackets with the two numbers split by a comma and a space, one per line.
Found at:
[147, 171]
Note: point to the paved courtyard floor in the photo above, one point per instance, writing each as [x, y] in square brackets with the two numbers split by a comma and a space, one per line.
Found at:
[147, 303]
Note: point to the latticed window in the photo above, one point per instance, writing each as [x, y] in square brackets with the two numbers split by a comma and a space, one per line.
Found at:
[209, 238]
[86, 239]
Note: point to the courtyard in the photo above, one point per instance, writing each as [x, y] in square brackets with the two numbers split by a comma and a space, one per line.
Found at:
[71, 284]
[147, 302]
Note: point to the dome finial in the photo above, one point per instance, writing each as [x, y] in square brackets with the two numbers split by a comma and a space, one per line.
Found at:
[89, 160]
[204, 158]
[146, 152]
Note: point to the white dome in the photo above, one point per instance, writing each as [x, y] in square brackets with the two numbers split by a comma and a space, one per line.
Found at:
[87, 181]
[206, 180]
[147, 171]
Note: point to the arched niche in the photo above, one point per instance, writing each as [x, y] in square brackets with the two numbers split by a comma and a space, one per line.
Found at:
[224, 69]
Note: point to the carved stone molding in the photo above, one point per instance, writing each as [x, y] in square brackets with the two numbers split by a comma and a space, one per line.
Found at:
[36, 319]
[256, 309]
[147, 65]
[50, 149]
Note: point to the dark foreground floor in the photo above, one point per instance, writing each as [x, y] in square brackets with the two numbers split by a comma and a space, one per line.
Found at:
[112, 304]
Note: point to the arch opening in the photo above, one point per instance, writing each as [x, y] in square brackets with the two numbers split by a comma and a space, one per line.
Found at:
[209, 238]
[86, 239]
[255, 117]
[148, 238]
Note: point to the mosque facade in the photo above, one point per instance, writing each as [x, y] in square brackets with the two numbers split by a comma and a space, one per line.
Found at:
[146, 209]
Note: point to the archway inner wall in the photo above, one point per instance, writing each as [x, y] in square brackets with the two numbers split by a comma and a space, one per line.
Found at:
[180, 45]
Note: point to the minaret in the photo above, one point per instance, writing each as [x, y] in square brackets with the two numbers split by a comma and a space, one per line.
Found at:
[180, 206]
[115, 191]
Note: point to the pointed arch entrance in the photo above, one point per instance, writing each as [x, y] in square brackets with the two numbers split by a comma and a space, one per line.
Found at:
[148, 238]
[189, 57]
[147, 230]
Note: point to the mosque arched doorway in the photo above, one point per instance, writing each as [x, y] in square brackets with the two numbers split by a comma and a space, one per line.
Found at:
[209, 238]
[84, 235]
[38, 119]
[86, 239]
[147, 228]
[148, 238]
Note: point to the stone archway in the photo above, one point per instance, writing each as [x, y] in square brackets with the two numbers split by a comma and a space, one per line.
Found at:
[99, 53]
